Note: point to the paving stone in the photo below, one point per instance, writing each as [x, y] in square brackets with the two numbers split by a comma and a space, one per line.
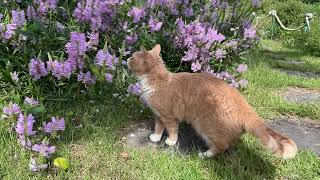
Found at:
[300, 95]
[299, 73]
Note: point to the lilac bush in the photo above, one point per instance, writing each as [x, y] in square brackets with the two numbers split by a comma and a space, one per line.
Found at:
[82, 46]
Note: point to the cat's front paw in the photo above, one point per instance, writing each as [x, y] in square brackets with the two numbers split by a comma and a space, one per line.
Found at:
[171, 142]
[155, 137]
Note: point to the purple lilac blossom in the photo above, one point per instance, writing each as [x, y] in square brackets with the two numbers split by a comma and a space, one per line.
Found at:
[242, 68]
[25, 125]
[56, 124]
[243, 83]
[14, 76]
[34, 167]
[86, 78]
[130, 39]
[215, 3]
[137, 14]
[256, 3]
[12, 109]
[220, 54]
[18, 17]
[45, 6]
[196, 66]
[154, 25]
[31, 13]
[249, 33]
[44, 149]
[76, 48]
[108, 77]
[188, 12]
[31, 101]
[10, 31]
[59, 69]
[93, 39]
[134, 89]
[37, 69]
[99, 13]
[25, 142]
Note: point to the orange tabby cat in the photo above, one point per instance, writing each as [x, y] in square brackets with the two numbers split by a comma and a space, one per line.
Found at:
[215, 110]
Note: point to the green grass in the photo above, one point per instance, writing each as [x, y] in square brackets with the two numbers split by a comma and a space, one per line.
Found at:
[94, 148]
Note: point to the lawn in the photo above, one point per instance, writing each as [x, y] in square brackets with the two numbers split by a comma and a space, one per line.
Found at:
[92, 142]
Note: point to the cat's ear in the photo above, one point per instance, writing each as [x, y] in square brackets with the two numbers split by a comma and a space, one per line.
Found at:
[156, 50]
[142, 48]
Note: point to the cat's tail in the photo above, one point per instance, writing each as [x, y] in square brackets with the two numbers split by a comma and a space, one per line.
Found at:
[277, 143]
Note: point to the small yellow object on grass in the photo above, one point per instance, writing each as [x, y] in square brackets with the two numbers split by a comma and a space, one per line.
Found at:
[61, 163]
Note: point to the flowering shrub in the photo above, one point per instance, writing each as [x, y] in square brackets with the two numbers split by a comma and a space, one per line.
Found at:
[82, 46]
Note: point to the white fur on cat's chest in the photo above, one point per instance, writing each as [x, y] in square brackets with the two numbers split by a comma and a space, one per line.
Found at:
[147, 90]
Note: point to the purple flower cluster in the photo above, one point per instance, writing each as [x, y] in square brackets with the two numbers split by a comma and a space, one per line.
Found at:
[76, 49]
[59, 69]
[12, 109]
[108, 77]
[34, 167]
[242, 68]
[135, 89]
[98, 13]
[56, 124]
[44, 149]
[37, 69]
[130, 39]
[198, 38]
[25, 125]
[249, 33]
[137, 14]
[104, 58]
[154, 25]
[45, 6]
[86, 78]
[31, 101]
[18, 20]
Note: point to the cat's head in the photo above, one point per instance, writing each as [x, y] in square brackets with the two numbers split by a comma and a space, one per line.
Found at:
[143, 61]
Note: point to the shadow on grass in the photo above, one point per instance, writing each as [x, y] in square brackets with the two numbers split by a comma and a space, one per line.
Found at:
[242, 162]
